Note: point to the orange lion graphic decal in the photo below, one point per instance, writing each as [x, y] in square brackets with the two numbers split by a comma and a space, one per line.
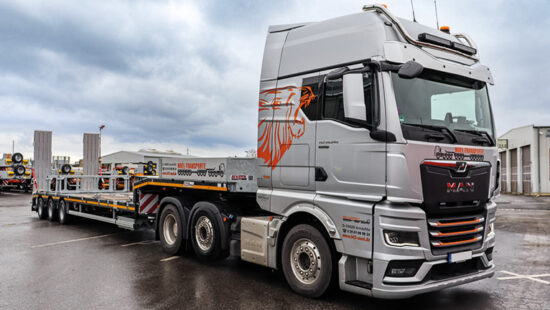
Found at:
[277, 136]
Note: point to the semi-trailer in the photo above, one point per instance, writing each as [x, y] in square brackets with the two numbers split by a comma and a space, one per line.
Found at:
[15, 172]
[352, 184]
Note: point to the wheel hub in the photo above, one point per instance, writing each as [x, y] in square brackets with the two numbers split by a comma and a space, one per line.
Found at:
[305, 260]
[204, 233]
[170, 229]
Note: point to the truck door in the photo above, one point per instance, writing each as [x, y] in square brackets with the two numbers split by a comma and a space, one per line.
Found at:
[349, 163]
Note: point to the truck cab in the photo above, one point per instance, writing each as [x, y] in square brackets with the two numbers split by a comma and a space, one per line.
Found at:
[380, 130]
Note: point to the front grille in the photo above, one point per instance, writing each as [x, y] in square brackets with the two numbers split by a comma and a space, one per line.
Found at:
[455, 234]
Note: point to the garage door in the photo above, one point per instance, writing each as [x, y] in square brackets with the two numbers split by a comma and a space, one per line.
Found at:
[503, 171]
[514, 170]
[526, 169]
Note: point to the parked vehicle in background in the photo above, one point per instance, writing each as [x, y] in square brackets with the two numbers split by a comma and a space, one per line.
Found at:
[15, 173]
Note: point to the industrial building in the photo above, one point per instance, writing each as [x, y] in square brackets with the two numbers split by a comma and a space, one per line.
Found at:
[142, 156]
[524, 154]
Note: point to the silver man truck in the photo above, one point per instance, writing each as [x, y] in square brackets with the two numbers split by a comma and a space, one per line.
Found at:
[376, 166]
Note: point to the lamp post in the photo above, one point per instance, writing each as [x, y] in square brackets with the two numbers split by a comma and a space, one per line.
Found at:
[100, 166]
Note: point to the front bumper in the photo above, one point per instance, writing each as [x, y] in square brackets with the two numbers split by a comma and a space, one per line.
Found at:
[434, 271]
[405, 291]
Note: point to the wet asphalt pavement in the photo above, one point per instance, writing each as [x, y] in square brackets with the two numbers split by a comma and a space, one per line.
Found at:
[90, 265]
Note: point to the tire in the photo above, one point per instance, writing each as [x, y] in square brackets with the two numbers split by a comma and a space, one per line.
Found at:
[19, 170]
[125, 170]
[206, 236]
[171, 238]
[17, 158]
[307, 261]
[62, 215]
[66, 169]
[52, 212]
[41, 209]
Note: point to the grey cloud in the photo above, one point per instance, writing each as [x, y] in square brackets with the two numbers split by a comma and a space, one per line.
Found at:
[152, 75]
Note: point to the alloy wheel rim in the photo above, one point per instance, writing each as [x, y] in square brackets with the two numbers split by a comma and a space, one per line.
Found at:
[305, 261]
[170, 229]
[204, 233]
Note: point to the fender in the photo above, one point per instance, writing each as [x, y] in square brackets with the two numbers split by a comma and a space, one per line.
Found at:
[215, 209]
[183, 211]
[317, 213]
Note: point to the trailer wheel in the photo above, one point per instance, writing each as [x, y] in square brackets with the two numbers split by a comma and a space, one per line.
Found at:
[19, 170]
[62, 212]
[17, 158]
[307, 261]
[66, 169]
[41, 209]
[205, 236]
[171, 230]
[52, 214]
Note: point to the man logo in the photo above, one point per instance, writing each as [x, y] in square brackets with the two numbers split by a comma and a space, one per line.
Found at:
[460, 187]
[461, 167]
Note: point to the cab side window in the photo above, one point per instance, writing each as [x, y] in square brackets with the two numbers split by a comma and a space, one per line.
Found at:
[311, 85]
[333, 105]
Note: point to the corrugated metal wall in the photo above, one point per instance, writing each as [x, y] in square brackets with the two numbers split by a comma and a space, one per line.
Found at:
[90, 161]
[42, 158]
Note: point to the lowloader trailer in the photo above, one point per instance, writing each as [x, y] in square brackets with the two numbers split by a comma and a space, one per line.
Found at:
[352, 183]
[15, 173]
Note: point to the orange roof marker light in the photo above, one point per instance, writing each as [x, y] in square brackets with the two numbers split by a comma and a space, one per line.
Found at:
[385, 6]
[445, 29]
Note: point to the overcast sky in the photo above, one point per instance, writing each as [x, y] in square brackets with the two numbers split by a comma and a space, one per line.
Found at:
[184, 74]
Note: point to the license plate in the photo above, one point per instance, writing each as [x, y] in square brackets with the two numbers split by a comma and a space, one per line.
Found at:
[459, 257]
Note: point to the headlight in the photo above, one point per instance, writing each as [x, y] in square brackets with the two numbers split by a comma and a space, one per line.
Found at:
[401, 238]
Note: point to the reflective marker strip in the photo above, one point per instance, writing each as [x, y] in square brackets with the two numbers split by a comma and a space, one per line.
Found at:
[206, 187]
[148, 203]
[102, 204]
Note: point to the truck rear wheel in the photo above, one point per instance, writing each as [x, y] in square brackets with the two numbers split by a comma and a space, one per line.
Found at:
[62, 212]
[41, 208]
[307, 261]
[206, 235]
[171, 230]
[52, 214]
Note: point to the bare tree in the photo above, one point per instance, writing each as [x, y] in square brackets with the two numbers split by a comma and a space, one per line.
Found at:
[250, 153]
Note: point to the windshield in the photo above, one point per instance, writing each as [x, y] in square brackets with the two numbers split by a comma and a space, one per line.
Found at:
[436, 101]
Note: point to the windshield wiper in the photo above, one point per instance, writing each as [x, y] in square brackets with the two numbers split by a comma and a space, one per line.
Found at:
[435, 127]
[480, 133]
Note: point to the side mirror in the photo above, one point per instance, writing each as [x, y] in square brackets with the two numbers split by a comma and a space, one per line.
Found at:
[354, 97]
[410, 70]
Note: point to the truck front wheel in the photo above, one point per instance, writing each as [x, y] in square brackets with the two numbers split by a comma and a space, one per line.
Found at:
[307, 261]
[171, 230]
